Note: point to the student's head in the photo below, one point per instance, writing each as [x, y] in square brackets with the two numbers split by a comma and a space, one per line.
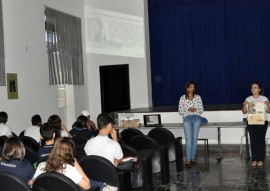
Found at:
[105, 123]
[86, 114]
[36, 120]
[63, 152]
[13, 149]
[256, 88]
[3, 117]
[190, 88]
[55, 120]
[82, 121]
[47, 132]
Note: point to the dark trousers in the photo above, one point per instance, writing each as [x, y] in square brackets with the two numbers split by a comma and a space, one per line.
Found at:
[257, 141]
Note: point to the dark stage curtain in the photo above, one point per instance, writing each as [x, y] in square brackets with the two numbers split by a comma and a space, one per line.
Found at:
[221, 45]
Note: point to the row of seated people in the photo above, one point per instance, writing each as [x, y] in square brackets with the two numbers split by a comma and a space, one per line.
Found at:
[58, 154]
[84, 126]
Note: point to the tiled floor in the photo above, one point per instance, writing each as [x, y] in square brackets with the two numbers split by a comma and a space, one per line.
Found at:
[232, 173]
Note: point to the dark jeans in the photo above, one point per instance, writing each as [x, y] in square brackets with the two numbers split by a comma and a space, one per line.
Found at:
[257, 141]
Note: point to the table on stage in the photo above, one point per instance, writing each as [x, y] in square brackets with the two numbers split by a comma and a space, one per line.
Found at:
[218, 125]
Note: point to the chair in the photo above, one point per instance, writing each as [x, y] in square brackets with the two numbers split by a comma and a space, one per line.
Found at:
[165, 137]
[80, 153]
[14, 134]
[145, 166]
[102, 170]
[160, 159]
[79, 140]
[54, 181]
[30, 142]
[30, 155]
[129, 133]
[10, 182]
[22, 133]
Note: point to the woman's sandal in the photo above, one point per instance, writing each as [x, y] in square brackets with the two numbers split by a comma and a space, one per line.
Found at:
[193, 162]
[254, 163]
[188, 164]
[260, 163]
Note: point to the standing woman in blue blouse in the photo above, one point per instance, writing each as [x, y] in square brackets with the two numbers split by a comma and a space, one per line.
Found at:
[191, 108]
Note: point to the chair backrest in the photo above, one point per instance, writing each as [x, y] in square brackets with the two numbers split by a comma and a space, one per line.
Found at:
[30, 155]
[79, 140]
[14, 134]
[22, 134]
[51, 181]
[164, 137]
[129, 133]
[100, 169]
[10, 182]
[129, 151]
[30, 142]
[80, 153]
[147, 145]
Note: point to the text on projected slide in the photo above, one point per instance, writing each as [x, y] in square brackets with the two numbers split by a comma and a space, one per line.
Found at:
[114, 33]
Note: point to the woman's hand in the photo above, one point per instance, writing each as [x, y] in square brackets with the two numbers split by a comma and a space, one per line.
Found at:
[267, 106]
[114, 135]
[192, 109]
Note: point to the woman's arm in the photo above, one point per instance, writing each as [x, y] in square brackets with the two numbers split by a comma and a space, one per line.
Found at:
[65, 129]
[85, 182]
[182, 110]
[244, 109]
[199, 105]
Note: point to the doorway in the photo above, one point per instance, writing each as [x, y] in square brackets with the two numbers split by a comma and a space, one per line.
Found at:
[114, 87]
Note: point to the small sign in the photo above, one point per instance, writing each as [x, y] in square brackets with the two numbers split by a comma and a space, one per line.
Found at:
[12, 86]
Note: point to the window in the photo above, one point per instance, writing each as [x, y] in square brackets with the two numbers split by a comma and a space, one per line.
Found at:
[64, 48]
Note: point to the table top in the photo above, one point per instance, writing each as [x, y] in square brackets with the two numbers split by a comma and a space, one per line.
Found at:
[238, 124]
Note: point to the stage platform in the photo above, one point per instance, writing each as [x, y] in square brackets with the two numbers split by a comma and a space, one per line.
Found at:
[214, 107]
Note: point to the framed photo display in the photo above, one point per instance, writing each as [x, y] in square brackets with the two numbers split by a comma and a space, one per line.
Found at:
[256, 113]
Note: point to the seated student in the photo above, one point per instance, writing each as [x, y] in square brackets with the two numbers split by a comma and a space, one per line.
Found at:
[13, 159]
[61, 130]
[47, 135]
[62, 160]
[4, 129]
[102, 145]
[91, 125]
[81, 129]
[33, 131]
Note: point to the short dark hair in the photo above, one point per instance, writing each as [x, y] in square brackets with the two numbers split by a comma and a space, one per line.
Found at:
[259, 86]
[81, 121]
[13, 149]
[3, 117]
[103, 120]
[47, 131]
[36, 120]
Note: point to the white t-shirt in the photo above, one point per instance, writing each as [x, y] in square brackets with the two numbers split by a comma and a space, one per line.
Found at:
[70, 172]
[5, 130]
[103, 146]
[261, 98]
[64, 133]
[33, 132]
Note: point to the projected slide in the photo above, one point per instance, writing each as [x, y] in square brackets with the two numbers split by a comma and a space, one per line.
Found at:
[114, 33]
